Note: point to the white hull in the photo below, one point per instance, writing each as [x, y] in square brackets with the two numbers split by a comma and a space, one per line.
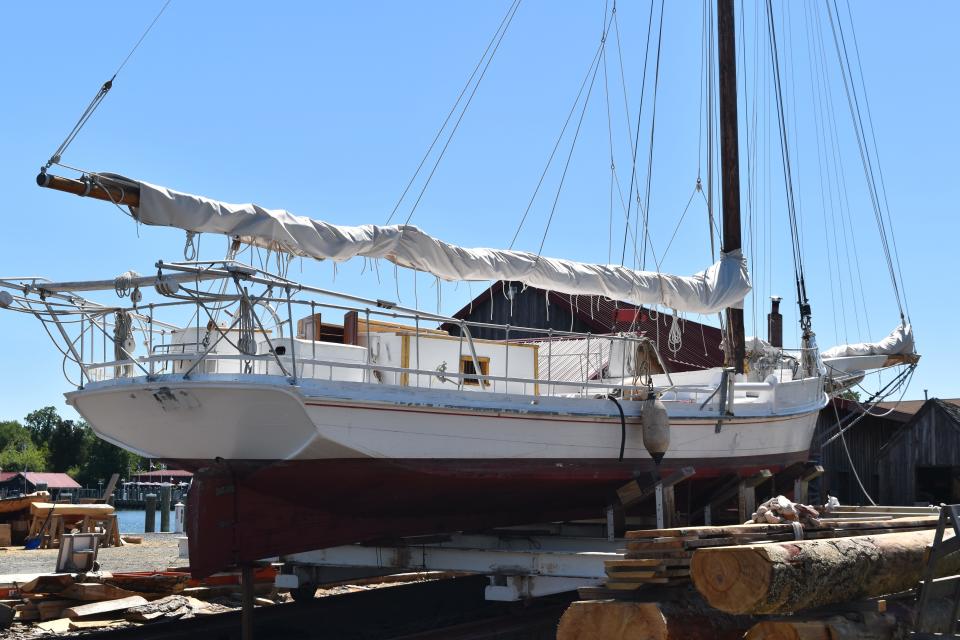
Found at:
[265, 418]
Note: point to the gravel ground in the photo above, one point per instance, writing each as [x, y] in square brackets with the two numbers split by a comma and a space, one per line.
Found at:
[158, 551]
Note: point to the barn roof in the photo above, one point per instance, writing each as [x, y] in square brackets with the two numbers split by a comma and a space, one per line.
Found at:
[699, 347]
[950, 408]
[52, 480]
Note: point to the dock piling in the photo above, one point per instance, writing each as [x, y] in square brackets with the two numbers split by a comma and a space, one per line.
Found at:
[165, 492]
[150, 515]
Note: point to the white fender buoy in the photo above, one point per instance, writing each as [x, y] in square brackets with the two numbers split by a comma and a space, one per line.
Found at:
[656, 428]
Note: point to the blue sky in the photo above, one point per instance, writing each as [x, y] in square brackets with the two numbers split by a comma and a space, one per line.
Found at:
[326, 108]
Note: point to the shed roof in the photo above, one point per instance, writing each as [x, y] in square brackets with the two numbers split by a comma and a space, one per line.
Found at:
[52, 480]
[950, 408]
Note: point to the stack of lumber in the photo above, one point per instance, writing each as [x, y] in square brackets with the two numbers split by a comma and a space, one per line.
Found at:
[663, 556]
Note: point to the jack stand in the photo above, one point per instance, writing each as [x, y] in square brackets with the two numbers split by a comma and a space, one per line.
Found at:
[246, 616]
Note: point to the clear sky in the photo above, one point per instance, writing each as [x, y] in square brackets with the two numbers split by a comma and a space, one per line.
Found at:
[325, 109]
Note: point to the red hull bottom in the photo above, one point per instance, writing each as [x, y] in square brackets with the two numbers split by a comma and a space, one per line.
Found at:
[242, 511]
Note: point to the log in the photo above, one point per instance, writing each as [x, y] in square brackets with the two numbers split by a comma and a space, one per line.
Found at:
[873, 627]
[689, 619]
[786, 577]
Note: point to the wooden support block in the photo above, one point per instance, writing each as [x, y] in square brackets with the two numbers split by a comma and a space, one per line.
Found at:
[643, 488]
[52, 609]
[6, 535]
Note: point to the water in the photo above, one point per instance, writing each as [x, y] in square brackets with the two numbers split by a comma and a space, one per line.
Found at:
[131, 520]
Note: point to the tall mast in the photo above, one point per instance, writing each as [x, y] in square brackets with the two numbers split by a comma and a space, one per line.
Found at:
[730, 166]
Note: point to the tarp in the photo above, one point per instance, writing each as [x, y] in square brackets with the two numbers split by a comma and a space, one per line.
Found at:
[899, 342]
[724, 284]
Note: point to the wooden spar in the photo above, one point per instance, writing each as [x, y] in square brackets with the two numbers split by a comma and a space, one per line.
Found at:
[103, 189]
[730, 166]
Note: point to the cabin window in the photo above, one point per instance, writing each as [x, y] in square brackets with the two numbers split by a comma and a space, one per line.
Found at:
[469, 370]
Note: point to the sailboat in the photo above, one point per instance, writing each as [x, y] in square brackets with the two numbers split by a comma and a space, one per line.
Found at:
[239, 374]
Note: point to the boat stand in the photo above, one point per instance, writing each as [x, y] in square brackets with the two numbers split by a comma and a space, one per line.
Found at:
[517, 565]
[744, 489]
[638, 490]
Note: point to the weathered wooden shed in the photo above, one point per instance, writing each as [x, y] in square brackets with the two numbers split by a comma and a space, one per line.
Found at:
[921, 463]
[854, 455]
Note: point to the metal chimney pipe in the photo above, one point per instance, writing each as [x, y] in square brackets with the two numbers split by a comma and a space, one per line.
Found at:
[775, 323]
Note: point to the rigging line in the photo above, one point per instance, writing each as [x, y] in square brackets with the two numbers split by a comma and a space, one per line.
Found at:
[556, 145]
[636, 143]
[623, 80]
[453, 109]
[854, 107]
[876, 152]
[838, 162]
[836, 177]
[573, 145]
[98, 98]
[785, 156]
[653, 128]
[679, 222]
[606, 92]
[826, 191]
[463, 112]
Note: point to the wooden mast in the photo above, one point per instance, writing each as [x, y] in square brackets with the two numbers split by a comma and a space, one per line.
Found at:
[730, 166]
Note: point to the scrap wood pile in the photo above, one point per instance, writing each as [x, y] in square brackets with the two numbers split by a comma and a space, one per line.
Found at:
[852, 574]
[73, 602]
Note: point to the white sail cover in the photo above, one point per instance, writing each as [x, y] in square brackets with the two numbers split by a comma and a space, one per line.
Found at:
[899, 342]
[724, 284]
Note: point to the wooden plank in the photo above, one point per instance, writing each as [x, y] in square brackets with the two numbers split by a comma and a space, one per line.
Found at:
[107, 606]
[95, 592]
[82, 625]
[60, 625]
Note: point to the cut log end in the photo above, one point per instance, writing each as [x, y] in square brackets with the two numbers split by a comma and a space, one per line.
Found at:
[733, 583]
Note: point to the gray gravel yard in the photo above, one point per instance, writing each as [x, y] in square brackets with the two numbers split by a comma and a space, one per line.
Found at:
[158, 551]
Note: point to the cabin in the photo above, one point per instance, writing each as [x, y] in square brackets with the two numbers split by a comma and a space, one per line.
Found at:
[19, 482]
[695, 345]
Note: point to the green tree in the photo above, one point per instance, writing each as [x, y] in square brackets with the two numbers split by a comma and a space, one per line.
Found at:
[62, 439]
[22, 456]
[103, 459]
[12, 432]
[41, 424]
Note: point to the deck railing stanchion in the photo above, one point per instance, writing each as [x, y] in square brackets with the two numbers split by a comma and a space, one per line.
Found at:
[460, 359]
[506, 363]
[150, 341]
[366, 373]
[293, 336]
[416, 338]
[550, 362]
[313, 345]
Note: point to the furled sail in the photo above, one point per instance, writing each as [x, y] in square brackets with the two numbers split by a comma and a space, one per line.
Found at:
[723, 284]
[899, 342]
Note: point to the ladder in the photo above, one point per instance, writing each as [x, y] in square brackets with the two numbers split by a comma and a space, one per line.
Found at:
[932, 587]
